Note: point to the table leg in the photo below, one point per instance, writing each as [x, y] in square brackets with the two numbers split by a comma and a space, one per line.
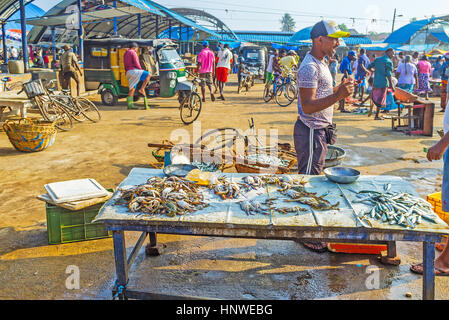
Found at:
[121, 265]
[391, 257]
[153, 248]
[428, 271]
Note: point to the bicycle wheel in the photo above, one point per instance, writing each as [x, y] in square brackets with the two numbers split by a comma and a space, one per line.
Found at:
[88, 109]
[73, 110]
[292, 91]
[281, 96]
[56, 112]
[221, 138]
[267, 96]
[191, 108]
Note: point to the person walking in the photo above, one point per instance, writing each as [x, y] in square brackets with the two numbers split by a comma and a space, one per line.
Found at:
[223, 68]
[361, 73]
[424, 67]
[69, 65]
[415, 59]
[444, 80]
[407, 75]
[346, 69]
[206, 64]
[134, 74]
[383, 67]
[436, 74]
[333, 65]
[269, 76]
[313, 129]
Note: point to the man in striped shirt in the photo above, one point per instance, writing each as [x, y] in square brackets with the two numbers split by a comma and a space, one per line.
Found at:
[316, 97]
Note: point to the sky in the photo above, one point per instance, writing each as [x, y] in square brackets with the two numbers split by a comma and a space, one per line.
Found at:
[263, 15]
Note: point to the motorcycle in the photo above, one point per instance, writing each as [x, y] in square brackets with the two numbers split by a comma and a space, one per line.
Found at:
[246, 77]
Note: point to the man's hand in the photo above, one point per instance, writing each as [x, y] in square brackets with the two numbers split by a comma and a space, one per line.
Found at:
[436, 152]
[346, 88]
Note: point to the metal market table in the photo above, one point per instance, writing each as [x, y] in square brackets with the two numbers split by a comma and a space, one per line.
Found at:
[224, 218]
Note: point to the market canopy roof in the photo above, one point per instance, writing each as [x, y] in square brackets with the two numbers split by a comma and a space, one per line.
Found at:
[405, 33]
[97, 22]
[303, 34]
[61, 19]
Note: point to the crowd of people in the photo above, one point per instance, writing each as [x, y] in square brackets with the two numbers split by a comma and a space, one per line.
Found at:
[412, 73]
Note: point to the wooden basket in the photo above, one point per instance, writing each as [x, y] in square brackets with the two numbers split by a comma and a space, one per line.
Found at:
[254, 168]
[28, 135]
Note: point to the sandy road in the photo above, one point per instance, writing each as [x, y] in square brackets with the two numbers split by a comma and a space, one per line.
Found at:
[108, 150]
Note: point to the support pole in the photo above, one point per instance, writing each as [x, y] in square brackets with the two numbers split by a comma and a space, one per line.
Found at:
[169, 28]
[180, 36]
[139, 25]
[80, 32]
[187, 46]
[157, 27]
[428, 271]
[114, 5]
[5, 50]
[24, 35]
[53, 43]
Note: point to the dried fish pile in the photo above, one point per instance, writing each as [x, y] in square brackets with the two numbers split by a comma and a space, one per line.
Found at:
[396, 208]
[163, 196]
[266, 159]
[205, 167]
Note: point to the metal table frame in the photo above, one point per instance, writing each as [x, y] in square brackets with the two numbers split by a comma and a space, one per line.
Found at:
[123, 262]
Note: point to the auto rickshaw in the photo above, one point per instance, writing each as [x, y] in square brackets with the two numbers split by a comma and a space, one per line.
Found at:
[255, 58]
[103, 65]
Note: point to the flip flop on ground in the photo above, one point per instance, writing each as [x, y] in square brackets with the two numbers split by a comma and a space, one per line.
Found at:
[319, 247]
[418, 269]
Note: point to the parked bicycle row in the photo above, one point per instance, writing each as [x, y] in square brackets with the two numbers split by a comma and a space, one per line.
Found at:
[59, 106]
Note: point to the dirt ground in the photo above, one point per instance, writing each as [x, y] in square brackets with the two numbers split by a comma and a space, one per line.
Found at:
[197, 266]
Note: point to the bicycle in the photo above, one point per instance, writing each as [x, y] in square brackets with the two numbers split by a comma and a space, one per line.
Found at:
[286, 93]
[269, 91]
[50, 109]
[190, 102]
[79, 108]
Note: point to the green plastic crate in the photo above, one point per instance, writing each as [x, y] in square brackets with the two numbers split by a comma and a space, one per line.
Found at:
[65, 225]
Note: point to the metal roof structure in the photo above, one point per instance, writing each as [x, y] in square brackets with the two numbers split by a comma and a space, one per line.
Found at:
[132, 17]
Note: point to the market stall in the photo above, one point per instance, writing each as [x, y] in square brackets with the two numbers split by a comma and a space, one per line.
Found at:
[339, 215]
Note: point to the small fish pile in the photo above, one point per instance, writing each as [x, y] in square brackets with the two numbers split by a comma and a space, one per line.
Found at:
[163, 196]
[225, 188]
[397, 208]
[205, 167]
[266, 159]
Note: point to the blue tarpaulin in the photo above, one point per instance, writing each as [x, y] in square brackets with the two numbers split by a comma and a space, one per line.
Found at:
[303, 34]
[403, 34]
[281, 46]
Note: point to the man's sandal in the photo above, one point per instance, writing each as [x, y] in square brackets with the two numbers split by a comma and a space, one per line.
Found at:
[438, 272]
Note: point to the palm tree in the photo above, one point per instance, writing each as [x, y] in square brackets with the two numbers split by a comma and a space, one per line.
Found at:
[287, 22]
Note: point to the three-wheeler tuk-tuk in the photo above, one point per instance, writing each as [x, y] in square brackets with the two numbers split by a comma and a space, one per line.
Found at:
[103, 65]
[255, 59]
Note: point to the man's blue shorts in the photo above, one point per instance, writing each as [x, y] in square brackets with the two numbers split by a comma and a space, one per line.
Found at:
[361, 84]
[144, 75]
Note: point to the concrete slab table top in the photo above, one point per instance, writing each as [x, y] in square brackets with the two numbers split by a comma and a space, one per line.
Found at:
[228, 214]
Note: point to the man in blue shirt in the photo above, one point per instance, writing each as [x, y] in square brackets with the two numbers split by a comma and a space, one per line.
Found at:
[362, 71]
[346, 69]
[383, 67]
[444, 79]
